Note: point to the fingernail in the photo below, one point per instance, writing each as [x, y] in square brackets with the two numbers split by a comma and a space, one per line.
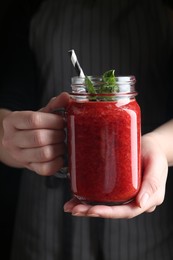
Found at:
[67, 209]
[93, 215]
[77, 214]
[144, 199]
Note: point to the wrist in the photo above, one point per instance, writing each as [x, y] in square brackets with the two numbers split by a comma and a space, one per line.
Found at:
[162, 142]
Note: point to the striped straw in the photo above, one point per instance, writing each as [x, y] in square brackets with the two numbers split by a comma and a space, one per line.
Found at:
[76, 64]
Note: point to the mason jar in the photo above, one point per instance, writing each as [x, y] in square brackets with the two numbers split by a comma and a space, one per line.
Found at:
[104, 142]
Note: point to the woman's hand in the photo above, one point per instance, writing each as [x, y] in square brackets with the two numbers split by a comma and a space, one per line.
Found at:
[35, 140]
[151, 194]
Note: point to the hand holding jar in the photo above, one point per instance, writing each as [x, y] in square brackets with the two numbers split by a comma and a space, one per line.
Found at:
[150, 195]
[105, 156]
[35, 139]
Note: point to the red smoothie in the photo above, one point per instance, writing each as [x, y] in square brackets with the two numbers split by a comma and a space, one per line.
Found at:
[104, 150]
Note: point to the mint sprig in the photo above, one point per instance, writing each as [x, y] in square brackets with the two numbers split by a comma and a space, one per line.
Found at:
[107, 85]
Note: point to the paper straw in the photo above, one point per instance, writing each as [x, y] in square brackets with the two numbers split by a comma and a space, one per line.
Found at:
[76, 64]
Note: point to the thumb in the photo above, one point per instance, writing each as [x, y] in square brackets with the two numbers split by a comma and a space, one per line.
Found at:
[152, 190]
[60, 101]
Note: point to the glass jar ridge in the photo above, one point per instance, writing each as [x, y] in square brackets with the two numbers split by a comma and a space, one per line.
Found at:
[125, 85]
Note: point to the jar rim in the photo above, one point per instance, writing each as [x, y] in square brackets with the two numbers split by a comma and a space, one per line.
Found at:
[126, 84]
[119, 79]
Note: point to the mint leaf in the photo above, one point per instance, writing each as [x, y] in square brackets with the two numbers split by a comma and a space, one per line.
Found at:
[110, 85]
[109, 76]
[89, 85]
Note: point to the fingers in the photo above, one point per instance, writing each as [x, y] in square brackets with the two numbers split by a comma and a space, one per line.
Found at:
[39, 150]
[35, 140]
[60, 101]
[40, 154]
[151, 209]
[38, 138]
[155, 170]
[32, 120]
[128, 211]
[68, 207]
[78, 209]
[47, 168]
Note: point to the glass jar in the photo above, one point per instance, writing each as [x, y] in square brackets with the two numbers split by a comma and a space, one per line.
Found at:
[104, 143]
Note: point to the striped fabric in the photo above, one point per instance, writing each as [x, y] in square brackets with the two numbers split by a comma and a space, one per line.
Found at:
[134, 37]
